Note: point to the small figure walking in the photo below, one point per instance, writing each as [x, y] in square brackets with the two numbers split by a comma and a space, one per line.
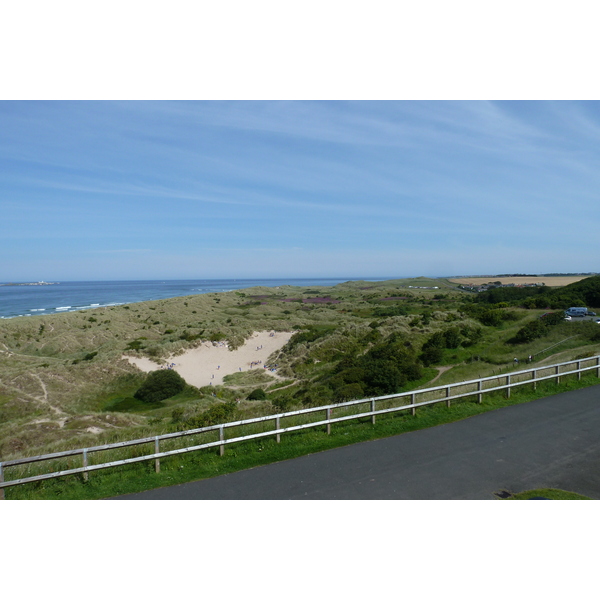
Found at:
[516, 361]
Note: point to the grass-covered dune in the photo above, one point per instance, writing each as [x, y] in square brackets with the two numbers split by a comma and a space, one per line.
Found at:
[64, 382]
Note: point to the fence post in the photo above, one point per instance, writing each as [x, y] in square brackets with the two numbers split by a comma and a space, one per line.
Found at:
[373, 410]
[277, 427]
[1, 481]
[413, 399]
[479, 396]
[221, 438]
[448, 396]
[534, 381]
[508, 383]
[557, 375]
[328, 416]
[578, 370]
[156, 451]
[85, 464]
[598, 365]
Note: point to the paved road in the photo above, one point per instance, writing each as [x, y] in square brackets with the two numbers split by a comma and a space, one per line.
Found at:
[551, 442]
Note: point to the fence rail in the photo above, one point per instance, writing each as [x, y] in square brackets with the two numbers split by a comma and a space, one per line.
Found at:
[403, 401]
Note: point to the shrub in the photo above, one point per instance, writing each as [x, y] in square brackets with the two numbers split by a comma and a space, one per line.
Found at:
[431, 355]
[351, 391]
[492, 317]
[452, 337]
[217, 336]
[257, 394]
[282, 404]
[160, 385]
[222, 412]
[530, 332]
[472, 335]
[551, 319]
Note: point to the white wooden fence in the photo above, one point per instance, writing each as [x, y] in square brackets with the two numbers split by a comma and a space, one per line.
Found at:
[379, 405]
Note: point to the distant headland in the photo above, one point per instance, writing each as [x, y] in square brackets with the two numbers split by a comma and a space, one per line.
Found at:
[35, 283]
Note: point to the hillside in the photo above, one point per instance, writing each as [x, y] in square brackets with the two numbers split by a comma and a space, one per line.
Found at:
[64, 381]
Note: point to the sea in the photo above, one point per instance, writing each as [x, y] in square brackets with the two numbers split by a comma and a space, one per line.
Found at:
[40, 298]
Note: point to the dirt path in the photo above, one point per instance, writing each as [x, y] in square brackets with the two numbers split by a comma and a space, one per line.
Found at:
[441, 371]
[61, 415]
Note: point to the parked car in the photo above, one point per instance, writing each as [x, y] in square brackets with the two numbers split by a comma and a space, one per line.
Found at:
[591, 313]
[576, 311]
[567, 318]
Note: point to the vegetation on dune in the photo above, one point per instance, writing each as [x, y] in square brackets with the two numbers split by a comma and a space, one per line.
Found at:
[160, 385]
[63, 382]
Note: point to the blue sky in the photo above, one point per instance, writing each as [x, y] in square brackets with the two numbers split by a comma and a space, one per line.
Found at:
[209, 189]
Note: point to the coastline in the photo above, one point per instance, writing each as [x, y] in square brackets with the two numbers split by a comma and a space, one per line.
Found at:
[39, 300]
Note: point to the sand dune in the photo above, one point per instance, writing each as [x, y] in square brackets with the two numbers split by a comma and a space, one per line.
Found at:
[209, 363]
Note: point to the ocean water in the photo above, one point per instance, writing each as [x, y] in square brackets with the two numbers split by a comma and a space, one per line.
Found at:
[67, 296]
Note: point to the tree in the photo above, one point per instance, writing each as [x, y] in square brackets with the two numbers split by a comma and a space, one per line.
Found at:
[452, 337]
[160, 385]
[431, 355]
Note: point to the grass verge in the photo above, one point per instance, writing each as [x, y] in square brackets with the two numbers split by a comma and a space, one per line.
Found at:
[549, 494]
[207, 463]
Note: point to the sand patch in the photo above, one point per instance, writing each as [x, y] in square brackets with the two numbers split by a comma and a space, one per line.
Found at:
[210, 362]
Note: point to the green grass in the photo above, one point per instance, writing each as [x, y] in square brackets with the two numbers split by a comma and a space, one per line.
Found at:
[129, 404]
[247, 378]
[549, 493]
[101, 388]
[207, 463]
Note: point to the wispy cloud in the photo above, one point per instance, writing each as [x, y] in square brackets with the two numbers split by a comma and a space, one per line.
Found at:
[375, 181]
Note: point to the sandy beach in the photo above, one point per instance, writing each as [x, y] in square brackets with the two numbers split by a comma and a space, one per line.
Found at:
[209, 363]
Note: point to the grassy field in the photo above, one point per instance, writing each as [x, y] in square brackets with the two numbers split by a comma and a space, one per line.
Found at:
[64, 383]
[558, 281]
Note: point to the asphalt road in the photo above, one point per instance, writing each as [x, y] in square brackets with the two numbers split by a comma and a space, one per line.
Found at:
[551, 442]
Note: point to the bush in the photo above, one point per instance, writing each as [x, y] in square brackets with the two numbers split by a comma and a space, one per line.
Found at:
[257, 394]
[135, 345]
[530, 332]
[160, 385]
[452, 337]
[222, 412]
[282, 404]
[217, 336]
[431, 355]
[351, 391]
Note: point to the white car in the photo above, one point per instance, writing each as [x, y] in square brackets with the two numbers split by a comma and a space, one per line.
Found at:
[567, 318]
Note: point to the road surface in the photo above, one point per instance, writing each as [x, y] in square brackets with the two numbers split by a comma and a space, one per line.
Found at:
[550, 442]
